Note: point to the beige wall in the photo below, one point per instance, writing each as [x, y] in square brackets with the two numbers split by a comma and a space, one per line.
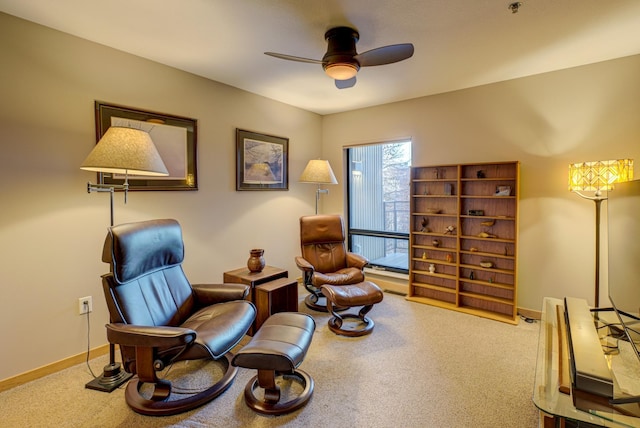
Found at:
[51, 230]
[545, 122]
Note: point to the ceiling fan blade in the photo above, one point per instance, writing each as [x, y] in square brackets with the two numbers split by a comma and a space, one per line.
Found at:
[293, 58]
[344, 84]
[385, 55]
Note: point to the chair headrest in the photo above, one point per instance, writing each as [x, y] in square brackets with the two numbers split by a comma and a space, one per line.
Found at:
[136, 249]
[315, 229]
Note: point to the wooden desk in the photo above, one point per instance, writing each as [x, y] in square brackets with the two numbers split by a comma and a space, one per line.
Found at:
[271, 291]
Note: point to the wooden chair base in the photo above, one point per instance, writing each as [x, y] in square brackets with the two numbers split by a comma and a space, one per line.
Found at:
[271, 404]
[159, 403]
[319, 303]
[336, 323]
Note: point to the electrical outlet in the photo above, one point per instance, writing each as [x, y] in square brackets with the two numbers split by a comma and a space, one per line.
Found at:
[85, 304]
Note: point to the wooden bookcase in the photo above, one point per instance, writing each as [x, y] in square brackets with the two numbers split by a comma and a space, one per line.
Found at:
[464, 235]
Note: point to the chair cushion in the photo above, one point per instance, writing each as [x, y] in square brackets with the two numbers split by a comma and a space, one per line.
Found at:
[281, 343]
[321, 229]
[364, 293]
[342, 276]
[137, 249]
[219, 328]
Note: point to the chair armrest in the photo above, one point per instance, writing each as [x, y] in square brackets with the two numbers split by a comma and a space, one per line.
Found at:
[356, 260]
[210, 294]
[304, 265]
[150, 336]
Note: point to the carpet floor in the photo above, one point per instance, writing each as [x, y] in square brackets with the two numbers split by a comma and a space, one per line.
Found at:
[421, 367]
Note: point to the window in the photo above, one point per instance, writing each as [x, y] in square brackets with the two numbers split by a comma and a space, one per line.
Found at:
[378, 203]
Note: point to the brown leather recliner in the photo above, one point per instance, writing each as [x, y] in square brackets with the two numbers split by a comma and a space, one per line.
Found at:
[158, 317]
[325, 259]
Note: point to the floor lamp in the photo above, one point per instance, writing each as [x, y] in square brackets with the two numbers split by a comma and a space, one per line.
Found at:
[596, 177]
[120, 151]
[318, 172]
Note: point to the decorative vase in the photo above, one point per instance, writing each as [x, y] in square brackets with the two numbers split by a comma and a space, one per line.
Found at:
[432, 268]
[256, 260]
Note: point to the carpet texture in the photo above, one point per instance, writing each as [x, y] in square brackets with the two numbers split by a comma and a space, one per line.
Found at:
[421, 367]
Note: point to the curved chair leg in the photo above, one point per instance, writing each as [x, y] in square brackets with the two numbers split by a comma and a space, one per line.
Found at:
[158, 406]
[335, 323]
[271, 404]
[316, 301]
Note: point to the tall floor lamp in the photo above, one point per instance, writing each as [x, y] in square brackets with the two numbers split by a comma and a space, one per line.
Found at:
[120, 151]
[596, 177]
[318, 172]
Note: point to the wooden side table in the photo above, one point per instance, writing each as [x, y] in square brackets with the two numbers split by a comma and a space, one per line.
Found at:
[277, 291]
[279, 295]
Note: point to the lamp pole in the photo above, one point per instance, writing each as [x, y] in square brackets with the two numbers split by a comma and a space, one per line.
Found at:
[112, 374]
[598, 202]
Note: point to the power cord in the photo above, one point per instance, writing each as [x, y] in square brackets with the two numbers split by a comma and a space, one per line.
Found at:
[86, 307]
[527, 319]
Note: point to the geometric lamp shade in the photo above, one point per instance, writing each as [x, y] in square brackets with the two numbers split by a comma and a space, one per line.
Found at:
[599, 175]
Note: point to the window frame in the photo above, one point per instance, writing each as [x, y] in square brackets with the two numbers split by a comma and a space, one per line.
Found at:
[355, 232]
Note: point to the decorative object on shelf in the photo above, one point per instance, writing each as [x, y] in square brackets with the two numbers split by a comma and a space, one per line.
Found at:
[433, 210]
[488, 223]
[486, 264]
[256, 260]
[471, 276]
[262, 161]
[480, 174]
[318, 172]
[425, 222]
[473, 249]
[432, 268]
[475, 212]
[424, 255]
[503, 191]
[596, 177]
[435, 243]
[449, 258]
[450, 230]
[486, 235]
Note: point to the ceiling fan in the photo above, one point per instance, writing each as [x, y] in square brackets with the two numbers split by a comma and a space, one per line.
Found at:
[342, 61]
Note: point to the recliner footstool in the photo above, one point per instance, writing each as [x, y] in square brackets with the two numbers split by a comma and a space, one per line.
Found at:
[278, 348]
[365, 294]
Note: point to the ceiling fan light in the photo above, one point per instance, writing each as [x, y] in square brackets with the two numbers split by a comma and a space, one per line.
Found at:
[341, 71]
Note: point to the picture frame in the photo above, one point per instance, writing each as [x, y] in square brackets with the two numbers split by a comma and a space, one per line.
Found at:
[175, 137]
[262, 161]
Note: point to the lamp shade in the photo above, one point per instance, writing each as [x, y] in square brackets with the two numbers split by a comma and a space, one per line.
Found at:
[125, 151]
[318, 171]
[599, 175]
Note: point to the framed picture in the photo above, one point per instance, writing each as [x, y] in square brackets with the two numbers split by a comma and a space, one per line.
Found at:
[262, 161]
[174, 136]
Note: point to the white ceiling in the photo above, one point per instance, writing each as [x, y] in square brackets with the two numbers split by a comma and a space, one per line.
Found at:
[458, 43]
